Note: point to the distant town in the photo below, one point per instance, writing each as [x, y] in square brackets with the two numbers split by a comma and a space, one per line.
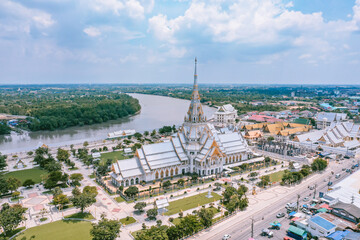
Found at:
[270, 162]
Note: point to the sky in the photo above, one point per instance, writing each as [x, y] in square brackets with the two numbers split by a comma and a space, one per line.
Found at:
[150, 41]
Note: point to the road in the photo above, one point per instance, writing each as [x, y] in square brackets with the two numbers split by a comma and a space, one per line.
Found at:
[239, 226]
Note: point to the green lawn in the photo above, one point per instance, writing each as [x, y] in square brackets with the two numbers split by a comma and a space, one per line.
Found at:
[119, 199]
[127, 222]
[34, 174]
[80, 215]
[191, 202]
[276, 176]
[59, 230]
[114, 156]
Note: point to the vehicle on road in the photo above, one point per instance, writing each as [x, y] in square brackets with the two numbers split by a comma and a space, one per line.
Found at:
[306, 199]
[344, 169]
[267, 232]
[280, 215]
[312, 188]
[337, 175]
[348, 170]
[329, 183]
[226, 237]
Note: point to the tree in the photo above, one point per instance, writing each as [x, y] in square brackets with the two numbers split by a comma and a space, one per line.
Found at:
[146, 133]
[13, 183]
[206, 215]
[271, 138]
[291, 165]
[86, 143]
[318, 164]
[11, 216]
[174, 233]
[62, 155]
[138, 135]
[264, 181]
[61, 200]
[57, 191]
[28, 183]
[153, 133]
[190, 224]
[166, 184]
[181, 182]
[139, 206]
[3, 163]
[83, 201]
[90, 190]
[152, 213]
[105, 229]
[76, 178]
[15, 194]
[4, 187]
[154, 233]
[131, 191]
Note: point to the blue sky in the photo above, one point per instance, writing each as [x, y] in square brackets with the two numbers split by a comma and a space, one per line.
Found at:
[149, 41]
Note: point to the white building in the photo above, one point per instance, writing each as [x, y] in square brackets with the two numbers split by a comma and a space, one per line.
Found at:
[198, 147]
[225, 114]
[325, 119]
[320, 227]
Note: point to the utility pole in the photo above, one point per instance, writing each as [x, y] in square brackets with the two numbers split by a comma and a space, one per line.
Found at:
[298, 197]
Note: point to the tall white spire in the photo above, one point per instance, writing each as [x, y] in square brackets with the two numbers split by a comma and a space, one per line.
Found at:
[195, 113]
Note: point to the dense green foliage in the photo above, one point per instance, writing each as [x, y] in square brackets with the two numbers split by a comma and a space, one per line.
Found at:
[3, 163]
[11, 216]
[4, 128]
[55, 108]
[318, 164]
[105, 229]
[234, 199]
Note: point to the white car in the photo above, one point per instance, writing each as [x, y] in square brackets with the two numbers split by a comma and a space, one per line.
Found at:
[306, 199]
[226, 237]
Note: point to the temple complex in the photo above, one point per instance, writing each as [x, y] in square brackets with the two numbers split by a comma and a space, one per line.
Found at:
[198, 147]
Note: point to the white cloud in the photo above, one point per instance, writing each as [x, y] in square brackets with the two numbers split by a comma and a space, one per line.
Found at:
[255, 22]
[133, 8]
[305, 56]
[19, 15]
[92, 31]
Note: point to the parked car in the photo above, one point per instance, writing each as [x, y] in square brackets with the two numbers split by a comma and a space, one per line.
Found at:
[306, 199]
[312, 188]
[267, 232]
[280, 215]
[348, 170]
[344, 169]
[226, 237]
[329, 183]
[337, 175]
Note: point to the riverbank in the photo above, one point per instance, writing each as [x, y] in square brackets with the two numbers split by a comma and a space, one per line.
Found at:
[156, 112]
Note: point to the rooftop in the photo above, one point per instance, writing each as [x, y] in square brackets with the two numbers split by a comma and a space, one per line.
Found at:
[322, 222]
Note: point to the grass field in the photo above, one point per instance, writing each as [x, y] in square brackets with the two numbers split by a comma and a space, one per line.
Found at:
[191, 202]
[127, 222]
[59, 230]
[114, 156]
[119, 199]
[34, 174]
[276, 176]
[80, 215]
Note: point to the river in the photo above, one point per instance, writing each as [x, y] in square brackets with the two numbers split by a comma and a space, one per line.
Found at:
[156, 111]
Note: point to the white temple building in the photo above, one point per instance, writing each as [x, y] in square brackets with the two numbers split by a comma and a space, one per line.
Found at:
[226, 114]
[198, 147]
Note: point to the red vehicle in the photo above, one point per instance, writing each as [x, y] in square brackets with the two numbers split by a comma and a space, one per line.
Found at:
[288, 238]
